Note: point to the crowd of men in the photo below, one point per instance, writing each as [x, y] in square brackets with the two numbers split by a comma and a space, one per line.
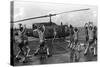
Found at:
[90, 40]
[22, 40]
[90, 35]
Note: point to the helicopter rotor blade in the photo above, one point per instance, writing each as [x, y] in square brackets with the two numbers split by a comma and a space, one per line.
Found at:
[73, 11]
[31, 18]
[51, 15]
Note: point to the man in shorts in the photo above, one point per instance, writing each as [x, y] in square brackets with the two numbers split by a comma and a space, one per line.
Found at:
[40, 30]
[90, 40]
[86, 31]
[71, 36]
[22, 43]
[95, 40]
[75, 37]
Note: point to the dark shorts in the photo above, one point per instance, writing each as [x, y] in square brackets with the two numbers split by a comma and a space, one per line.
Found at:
[91, 41]
[76, 40]
[87, 38]
[95, 38]
[22, 44]
[71, 38]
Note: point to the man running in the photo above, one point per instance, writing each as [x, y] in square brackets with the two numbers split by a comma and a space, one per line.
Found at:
[95, 40]
[40, 30]
[22, 43]
[75, 37]
[71, 36]
[91, 36]
[86, 31]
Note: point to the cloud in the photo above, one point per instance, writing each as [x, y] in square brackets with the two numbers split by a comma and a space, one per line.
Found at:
[19, 12]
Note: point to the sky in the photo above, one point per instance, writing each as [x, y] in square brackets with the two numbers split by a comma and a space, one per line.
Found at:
[23, 10]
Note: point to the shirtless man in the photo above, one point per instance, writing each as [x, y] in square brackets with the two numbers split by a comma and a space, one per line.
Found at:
[22, 41]
[41, 30]
[71, 36]
[86, 31]
[75, 36]
[90, 38]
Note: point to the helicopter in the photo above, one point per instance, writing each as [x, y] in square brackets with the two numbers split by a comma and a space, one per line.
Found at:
[51, 27]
